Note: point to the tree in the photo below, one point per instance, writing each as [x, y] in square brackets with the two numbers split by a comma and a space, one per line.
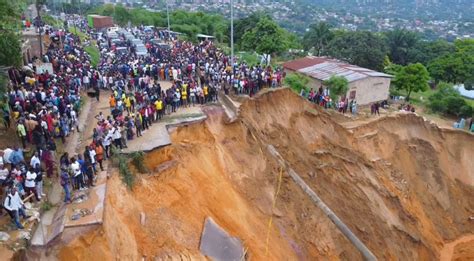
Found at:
[412, 78]
[426, 51]
[121, 15]
[457, 67]
[400, 42]
[266, 38]
[10, 44]
[318, 38]
[338, 86]
[361, 48]
[241, 26]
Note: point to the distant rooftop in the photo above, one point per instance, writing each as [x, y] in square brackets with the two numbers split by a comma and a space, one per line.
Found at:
[322, 68]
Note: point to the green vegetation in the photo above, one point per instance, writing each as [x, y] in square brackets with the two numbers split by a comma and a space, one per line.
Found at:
[78, 32]
[94, 53]
[446, 100]
[249, 58]
[10, 24]
[46, 206]
[297, 82]
[47, 19]
[121, 161]
[127, 176]
[318, 38]
[338, 86]
[265, 38]
[138, 160]
[411, 78]
[188, 23]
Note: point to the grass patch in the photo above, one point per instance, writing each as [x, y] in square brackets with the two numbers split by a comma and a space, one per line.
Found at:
[119, 160]
[78, 32]
[94, 53]
[249, 58]
[138, 160]
[46, 206]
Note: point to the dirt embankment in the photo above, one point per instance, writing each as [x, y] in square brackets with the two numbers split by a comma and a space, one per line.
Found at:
[403, 186]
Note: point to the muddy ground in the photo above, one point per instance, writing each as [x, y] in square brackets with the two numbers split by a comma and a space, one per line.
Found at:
[401, 184]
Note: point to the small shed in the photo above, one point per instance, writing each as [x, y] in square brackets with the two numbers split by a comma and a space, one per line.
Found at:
[365, 85]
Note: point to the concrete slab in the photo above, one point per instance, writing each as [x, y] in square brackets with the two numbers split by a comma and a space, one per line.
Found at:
[218, 245]
[94, 204]
[158, 136]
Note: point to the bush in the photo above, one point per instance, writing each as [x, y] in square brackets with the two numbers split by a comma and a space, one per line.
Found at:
[447, 100]
[466, 111]
[127, 176]
[297, 82]
[138, 160]
[438, 106]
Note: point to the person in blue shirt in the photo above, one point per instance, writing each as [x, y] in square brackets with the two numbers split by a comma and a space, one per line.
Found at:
[16, 157]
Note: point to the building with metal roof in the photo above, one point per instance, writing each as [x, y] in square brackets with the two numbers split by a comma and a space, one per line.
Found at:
[365, 85]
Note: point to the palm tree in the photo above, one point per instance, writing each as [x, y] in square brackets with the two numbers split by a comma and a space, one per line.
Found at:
[318, 37]
[400, 42]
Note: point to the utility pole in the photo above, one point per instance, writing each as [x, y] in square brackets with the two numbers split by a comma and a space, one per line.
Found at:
[168, 15]
[232, 33]
[39, 24]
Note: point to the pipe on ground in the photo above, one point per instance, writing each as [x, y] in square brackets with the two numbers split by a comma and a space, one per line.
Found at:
[368, 255]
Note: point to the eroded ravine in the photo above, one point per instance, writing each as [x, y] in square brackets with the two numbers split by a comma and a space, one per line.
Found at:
[391, 181]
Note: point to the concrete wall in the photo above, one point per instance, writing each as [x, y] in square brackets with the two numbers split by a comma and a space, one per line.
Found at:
[370, 89]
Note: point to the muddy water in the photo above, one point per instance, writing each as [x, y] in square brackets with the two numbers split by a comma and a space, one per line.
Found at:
[446, 254]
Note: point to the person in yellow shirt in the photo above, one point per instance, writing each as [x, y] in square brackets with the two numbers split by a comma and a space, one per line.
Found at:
[22, 133]
[184, 96]
[159, 108]
[206, 93]
[128, 104]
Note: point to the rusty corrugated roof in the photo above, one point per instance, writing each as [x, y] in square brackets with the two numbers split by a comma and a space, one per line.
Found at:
[322, 68]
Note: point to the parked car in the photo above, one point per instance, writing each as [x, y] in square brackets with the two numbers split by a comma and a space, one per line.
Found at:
[141, 50]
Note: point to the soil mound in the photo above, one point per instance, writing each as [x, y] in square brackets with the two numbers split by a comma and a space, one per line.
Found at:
[401, 184]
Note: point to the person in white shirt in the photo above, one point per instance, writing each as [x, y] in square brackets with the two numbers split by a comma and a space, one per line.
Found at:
[106, 143]
[92, 154]
[117, 136]
[15, 205]
[35, 160]
[30, 184]
[74, 121]
[3, 174]
[6, 155]
[78, 178]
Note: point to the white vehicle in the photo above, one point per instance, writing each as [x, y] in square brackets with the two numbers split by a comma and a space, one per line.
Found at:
[129, 36]
[141, 50]
[113, 29]
[136, 42]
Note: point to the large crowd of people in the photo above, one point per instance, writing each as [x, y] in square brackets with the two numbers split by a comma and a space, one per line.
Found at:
[42, 107]
[197, 72]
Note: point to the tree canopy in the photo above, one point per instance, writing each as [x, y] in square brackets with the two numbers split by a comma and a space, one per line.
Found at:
[266, 38]
[188, 23]
[412, 78]
[400, 43]
[361, 48]
[456, 67]
[318, 38]
[244, 25]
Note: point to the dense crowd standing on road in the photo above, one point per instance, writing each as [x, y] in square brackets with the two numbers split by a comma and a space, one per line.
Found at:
[197, 73]
[42, 107]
